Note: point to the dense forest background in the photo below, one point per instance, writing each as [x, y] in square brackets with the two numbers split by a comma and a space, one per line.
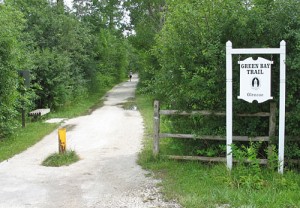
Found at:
[176, 46]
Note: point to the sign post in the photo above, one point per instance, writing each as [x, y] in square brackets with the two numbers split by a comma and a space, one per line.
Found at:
[229, 104]
[256, 85]
[25, 74]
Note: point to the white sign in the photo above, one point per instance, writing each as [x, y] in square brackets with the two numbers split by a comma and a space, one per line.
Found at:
[282, 82]
[255, 80]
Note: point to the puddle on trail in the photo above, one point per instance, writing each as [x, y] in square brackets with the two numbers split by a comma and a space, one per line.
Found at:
[130, 104]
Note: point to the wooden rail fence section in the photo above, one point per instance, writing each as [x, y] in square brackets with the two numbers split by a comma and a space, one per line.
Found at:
[158, 135]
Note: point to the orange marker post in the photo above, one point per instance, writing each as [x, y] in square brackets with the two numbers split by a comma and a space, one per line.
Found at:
[62, 140]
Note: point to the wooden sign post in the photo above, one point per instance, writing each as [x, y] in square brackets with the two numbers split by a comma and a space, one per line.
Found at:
[249, 94]
[25, 74]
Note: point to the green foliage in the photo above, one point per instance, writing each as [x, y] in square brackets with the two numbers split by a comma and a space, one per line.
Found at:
[212, 150]
[247, 175]
[185, 68]
[201, 185]
[252, 175]
[57, 160]
[112, 54]
[292, 150]
[54, 77]
[11, 59]
[147, 19]
[58, 53]
[23, 138]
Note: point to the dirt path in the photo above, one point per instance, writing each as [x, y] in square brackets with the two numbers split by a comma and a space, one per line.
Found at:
[107, 175]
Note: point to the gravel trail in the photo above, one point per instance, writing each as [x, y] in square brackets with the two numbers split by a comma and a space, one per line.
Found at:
[107, 176]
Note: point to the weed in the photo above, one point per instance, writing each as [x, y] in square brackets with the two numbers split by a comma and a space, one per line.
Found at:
[57, 160]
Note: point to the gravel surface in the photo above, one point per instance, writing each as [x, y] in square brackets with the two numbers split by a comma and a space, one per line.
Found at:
[107, 175]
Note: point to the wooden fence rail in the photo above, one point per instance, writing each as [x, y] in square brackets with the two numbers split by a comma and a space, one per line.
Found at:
[158, 135]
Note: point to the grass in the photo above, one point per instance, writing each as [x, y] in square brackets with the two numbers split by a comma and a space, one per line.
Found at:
[83, 106]
[24, 138]
[197, 185]
[64, 159]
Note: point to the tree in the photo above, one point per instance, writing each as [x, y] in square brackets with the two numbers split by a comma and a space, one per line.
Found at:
[146, 20]
[11, 60]
[59, 47]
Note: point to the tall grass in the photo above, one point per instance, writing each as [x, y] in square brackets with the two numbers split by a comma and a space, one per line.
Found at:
[197, 185]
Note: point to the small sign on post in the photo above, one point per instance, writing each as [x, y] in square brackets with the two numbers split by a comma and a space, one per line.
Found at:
[62, 140]
[25, 74]
[255, 80]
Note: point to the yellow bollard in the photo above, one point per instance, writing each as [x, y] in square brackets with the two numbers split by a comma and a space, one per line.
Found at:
[62, 140]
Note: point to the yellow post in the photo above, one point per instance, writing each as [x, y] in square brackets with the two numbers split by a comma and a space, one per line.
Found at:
[62, 140]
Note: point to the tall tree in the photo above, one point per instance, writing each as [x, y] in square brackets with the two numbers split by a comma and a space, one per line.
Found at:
[60, 5]
[12, 59]
[147, 19]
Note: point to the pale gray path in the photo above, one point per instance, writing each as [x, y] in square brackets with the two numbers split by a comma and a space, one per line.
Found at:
[107, 175]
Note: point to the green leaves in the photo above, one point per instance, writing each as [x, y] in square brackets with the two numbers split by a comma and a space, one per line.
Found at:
[11, 24]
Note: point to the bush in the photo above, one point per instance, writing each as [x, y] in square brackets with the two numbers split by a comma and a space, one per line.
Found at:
[11, 60]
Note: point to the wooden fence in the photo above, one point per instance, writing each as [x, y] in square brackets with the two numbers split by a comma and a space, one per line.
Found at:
[158, 135]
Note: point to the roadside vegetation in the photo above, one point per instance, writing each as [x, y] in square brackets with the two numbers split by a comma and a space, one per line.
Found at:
[200, 184]
[23, 138]
[64, 159]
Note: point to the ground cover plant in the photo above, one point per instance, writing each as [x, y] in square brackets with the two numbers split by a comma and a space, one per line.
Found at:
[196, 184]
[61, 159]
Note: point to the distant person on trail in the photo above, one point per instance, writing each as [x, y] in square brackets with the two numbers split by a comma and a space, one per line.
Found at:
[130, 75]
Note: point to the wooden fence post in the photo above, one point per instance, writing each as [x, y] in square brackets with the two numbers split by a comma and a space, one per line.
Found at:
[272, 127]
[156, 120]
